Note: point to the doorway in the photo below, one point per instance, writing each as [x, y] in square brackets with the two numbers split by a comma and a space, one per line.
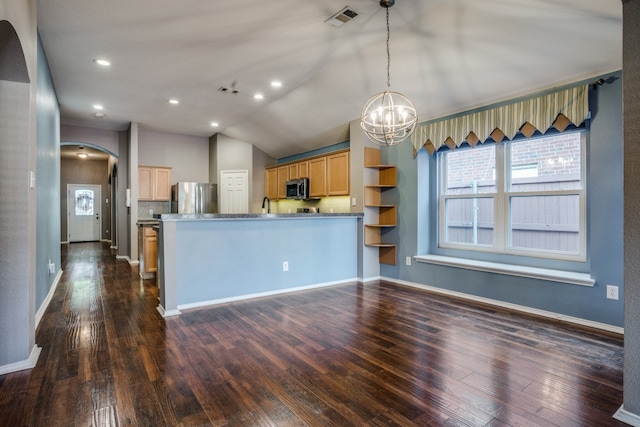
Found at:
[83, 212]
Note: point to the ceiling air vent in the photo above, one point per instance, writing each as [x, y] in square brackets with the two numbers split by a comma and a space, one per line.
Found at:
[228, 89]
[345, 15]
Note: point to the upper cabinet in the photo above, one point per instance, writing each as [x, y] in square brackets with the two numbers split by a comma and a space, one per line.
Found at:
[328, 176]
[271, 183]
[303, 169]
[154, 183]
[283, 177]
[294, 171]
[318, 177]
[338, 174]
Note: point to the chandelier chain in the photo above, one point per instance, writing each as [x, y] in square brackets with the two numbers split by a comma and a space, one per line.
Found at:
[388, 118]
[388, 54]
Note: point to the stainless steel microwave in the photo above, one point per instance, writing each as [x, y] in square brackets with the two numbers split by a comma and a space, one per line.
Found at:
[298, 189]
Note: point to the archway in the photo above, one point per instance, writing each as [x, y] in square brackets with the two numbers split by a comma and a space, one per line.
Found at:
[97, 166]
[17, 240]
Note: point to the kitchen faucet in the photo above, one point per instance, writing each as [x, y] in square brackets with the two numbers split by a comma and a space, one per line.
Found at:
[266, 199]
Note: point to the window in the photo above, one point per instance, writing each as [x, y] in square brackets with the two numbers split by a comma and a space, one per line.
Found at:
[525, 197]
[84, 202]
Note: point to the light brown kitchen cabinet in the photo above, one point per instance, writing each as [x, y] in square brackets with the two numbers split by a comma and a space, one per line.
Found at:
[328, 176]
[150, 250]
[271, 183]
[154, 183]
[145, 183]
[338, 174]
[293, 171]
[163, 184]
[147, 251]
[318, 177]
[303, 169]
[283, 177]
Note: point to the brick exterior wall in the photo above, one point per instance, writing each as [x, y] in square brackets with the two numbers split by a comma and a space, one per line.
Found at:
[557, 155]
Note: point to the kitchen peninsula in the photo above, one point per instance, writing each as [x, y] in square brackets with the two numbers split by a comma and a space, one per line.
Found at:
[206, 259]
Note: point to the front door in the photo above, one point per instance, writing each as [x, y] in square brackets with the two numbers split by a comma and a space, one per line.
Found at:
[83, 212]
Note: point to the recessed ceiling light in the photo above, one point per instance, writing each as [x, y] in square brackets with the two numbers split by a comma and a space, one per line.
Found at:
[276, 83]
[174, 101]
[98, 107]
[83, 155]
[102, 62]
[215, 124]
[258, 96]
[99, 115]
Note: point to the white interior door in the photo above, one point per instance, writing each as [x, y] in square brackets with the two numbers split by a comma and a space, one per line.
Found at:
[83, 212]
[234, 191]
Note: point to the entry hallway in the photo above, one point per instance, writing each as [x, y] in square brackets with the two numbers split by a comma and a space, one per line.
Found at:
[376, 354]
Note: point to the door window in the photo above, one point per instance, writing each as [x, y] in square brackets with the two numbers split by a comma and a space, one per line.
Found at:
[84, 200]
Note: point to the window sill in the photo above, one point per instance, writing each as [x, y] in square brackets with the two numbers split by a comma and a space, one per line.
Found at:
[570, 277]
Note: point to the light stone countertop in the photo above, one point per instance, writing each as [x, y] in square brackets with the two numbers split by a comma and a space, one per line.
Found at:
[191, 217]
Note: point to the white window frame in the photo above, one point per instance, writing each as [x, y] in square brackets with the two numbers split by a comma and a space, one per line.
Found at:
[502, 197]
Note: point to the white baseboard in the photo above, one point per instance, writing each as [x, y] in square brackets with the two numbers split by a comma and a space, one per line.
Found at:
[263, 294]
[167, 313]
[64, 242]
[627, 417]
[510, 306]
[129, 260]
[47, 300]
[23, 364]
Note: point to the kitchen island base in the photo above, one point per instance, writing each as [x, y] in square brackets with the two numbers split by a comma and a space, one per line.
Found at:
[212, 259]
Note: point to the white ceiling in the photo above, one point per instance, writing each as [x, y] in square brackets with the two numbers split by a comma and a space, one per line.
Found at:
[446, 56]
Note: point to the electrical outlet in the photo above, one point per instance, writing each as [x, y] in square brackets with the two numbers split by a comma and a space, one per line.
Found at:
[408, 260]
[612, 292]
[285, 265]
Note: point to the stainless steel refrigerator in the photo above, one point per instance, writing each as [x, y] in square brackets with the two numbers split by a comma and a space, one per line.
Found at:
[194, 197]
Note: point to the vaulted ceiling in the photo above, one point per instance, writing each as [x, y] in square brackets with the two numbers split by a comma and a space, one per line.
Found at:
[447, 56]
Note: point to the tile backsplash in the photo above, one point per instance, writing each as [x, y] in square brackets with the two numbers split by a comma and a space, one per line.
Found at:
[335, 204]
[147, 209]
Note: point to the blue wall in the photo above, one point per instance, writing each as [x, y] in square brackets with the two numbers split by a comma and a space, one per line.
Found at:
[417, 215]
[47, 179]
[219, 259]
[317, 152]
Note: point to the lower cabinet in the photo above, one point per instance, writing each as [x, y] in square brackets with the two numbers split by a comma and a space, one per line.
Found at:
[148, 250]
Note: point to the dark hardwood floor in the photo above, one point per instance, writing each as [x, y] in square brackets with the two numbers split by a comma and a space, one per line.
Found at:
[376, 354]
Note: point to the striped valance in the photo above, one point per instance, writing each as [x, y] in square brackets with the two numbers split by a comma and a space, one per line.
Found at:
[556, 109]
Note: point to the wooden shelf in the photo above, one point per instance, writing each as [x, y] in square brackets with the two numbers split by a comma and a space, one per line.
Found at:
[388, 255]
[386, 213]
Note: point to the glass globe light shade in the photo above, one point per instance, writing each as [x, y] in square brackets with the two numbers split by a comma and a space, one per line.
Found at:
[388, 118]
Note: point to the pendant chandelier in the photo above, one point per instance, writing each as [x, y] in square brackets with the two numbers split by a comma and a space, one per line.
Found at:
[388, 118]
